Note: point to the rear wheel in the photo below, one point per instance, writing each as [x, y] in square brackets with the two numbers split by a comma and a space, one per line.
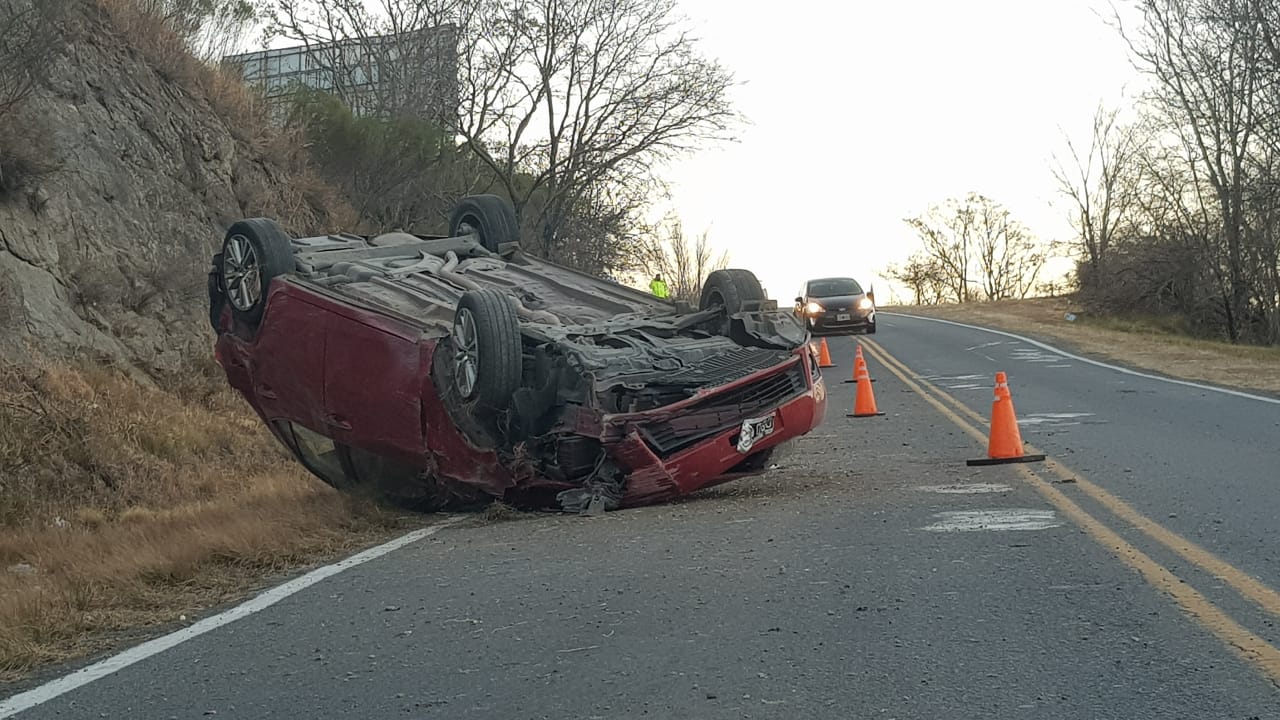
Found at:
[254, 252]
[490, 217]
[731, 289]
[487, 349]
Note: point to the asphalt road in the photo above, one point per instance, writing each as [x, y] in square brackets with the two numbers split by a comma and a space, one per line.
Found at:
[871, 574]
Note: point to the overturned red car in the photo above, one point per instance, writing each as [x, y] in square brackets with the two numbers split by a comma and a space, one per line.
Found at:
[443, 371]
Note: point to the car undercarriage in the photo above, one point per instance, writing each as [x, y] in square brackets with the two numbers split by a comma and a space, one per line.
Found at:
[551, 370]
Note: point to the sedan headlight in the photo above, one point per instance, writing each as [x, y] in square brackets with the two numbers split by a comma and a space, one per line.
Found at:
[865, 304]
[813, 308]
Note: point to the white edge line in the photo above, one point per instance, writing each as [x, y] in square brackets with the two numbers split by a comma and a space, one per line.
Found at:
[1127, 371]
[54, 688]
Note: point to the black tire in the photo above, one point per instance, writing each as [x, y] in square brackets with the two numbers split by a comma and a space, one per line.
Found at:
[487, 357]
[731, 288]
[492, 217]
[871, 329]
[254, 252]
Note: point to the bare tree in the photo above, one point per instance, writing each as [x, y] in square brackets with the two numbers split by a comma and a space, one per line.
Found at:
[1008, 257]
[581, 92]
[559, 98]
[1206, 57]
[1101, 186]
[925, 277]
[972, 249]
[946, 232]
[382, 57]
[683, 264]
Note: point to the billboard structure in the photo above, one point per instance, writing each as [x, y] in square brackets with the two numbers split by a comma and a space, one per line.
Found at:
[413, 73]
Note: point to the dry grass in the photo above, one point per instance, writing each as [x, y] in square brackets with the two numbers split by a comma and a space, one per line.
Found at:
[1153, 343]
[124, 506]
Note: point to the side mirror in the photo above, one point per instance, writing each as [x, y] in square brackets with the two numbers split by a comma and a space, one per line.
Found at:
[799, 300]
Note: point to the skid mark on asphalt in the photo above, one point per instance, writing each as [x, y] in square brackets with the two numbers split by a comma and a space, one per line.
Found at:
[993, 520]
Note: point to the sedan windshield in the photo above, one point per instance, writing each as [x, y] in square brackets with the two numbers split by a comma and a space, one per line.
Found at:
[833, 287]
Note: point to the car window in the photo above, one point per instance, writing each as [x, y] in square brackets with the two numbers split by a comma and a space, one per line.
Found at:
[318, 453]
[834, 286]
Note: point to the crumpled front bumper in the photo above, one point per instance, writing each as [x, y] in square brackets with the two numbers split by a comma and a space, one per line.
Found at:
[661, 466]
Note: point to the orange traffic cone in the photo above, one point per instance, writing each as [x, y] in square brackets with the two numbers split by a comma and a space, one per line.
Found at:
[864, 404]
[858, 362]
[1005, 442]
[824, 355]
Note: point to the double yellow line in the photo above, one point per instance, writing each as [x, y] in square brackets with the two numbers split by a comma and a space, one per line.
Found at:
[1255, 650]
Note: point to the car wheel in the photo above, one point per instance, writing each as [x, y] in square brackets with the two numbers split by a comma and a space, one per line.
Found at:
[486, 349]
[730, 289]
[254, 252]
[490, 217]
[871, 329]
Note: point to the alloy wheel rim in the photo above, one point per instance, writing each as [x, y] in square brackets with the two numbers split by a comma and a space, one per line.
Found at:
[466, 358]
[242, 273]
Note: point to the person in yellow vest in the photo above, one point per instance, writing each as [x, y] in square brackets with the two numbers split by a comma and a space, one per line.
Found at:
[658, 287]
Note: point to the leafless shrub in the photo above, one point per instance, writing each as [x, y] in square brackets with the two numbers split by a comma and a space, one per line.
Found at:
[30, 37]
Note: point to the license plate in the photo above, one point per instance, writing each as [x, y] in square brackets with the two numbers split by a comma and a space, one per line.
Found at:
[753, 430]
[842, 317]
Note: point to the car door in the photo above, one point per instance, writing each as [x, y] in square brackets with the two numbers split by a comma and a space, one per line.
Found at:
[372, 385]
[288, 361]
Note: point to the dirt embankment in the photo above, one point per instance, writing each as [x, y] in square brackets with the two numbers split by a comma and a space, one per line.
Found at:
[135, 488]
[122, 168]
[1155, 344]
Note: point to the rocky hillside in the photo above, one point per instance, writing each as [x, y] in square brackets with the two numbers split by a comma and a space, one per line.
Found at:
[131, 159]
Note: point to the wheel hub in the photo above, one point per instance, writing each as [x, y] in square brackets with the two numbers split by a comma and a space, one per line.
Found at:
[241, 273]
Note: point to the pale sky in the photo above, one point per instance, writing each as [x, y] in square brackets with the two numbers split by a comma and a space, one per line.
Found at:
[865, 113]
